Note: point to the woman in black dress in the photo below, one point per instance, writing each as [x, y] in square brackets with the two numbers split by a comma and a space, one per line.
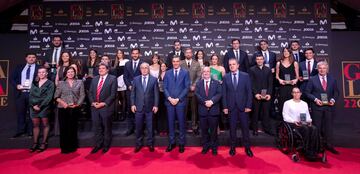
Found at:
[41, 93]
[69, 95]
[119, 66]
[287, 73]
[161, 115]
[65, 61]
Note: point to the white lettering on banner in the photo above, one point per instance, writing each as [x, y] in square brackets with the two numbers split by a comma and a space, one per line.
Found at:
[120, 38]
[46, 39]
[148, 53]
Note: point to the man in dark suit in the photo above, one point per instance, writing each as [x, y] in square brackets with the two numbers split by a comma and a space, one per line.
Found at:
[21, 79]
[175, 52]
[322, 90]
[53, 55]
[144, 103]
[102, 95]
[240, 55]
[208, 93]
[132, 69]
[194, 69]
[307, 69]
[295, 48]
[237, 98]
[176, 88]
[269, 56]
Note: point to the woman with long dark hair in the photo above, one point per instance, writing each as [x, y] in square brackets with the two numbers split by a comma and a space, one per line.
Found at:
[65, 61]
[119, 65]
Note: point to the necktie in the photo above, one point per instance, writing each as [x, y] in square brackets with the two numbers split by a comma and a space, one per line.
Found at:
[207, 88]
[99, 89]
[297, 57]
[188, 64]
[176, 75]
[266, 58]
[234, 80]
[237, 54]
[323, 83]
[177, 53]
[54, 60]
[309, 67]
[28, 72]
[134, 68]
[144, 83]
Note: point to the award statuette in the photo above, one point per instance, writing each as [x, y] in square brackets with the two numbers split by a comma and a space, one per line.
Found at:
[324, 99]
[91, 71]
[26, 84]
[305, 75]
[287, 79]
[303, 118]
[52, 67]
[263, 93]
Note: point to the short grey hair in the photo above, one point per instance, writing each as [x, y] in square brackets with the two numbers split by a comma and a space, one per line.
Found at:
[145, 64]
[324, 62]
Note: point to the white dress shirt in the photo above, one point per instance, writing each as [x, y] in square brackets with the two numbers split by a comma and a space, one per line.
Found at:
[32, 73]
[292, 110]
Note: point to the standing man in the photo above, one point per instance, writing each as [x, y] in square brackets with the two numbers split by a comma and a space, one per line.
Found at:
[144, 103]
[175, 52]
[208, 93]
[102, 95]
[295, 48]
[307, 68]
[132, 69]
[237, 97]
[269, 56]
[176, 87]
[262, 86]
[194, 69]
[239, 55]
[52, 56]
[22, 78]
[322, 90]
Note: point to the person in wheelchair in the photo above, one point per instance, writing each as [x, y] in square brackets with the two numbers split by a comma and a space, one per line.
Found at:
[296, 114]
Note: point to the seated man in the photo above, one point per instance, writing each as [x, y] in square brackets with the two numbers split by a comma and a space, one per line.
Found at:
[296, 113]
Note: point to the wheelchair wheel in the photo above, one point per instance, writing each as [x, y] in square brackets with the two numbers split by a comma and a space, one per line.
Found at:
[295, 157]
[285, 138]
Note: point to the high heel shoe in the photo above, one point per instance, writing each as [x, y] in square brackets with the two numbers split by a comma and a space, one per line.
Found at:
[34, 147]
[43, 147]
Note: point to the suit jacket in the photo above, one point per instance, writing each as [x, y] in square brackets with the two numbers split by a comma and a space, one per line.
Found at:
[314, 89]
[170, 56]
[303, 67]
[194, 70]
[261, 79]
[145, 101]
[16, 76]
[214, 95]
[272, 59]
[239, 98]
[48, 54]
[301, 56]
[107, 93]
[243, 62]
[129, 73]
[176, 89]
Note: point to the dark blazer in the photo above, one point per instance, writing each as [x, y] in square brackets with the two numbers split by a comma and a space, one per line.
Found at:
[243, 63]
[107, 93]
[16, 76]
[314, 89]
[145, 101]
[303, 68]
[261, 79]
[129, 73]
[272, 59]
[301, 56]
[214, 95]
[239, 98]
[49, 53]
[176, 89]
[170, 56]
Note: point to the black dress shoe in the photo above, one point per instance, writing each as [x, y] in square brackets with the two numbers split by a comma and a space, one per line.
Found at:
[137, 149]
[232, 151]
[95, 149]
[249, 152]
[151, 148]
[43, 147]
[129, 132]
[34, 147]
[214, 151]
[205, 150]
[170, 147]
[17, 135]
[181, 148]
[332, 150]
[106, 149]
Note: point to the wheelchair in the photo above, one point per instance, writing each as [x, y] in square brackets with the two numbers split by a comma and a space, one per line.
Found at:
[290, 141]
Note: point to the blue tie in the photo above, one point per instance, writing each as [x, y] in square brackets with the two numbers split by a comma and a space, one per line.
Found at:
[28, 72]
[144, 83]
[234, 80]
[176, 75]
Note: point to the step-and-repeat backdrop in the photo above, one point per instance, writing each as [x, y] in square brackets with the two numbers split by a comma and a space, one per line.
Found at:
[202, 25]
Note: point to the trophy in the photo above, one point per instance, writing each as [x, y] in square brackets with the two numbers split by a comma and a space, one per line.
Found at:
[303, 118]
[263, 93]
[52, 67]
[26, 84]
[305, 75]
[287, 79]
[91, 71]
[324, 98]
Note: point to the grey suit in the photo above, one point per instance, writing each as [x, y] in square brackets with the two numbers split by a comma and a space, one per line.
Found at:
[195, 75]
[102, 117]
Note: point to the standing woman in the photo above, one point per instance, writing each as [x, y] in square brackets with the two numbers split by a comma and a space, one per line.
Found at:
[155, 66]
[200, 57]
[89, 73]
[119, 65]
[65, 61]
[216, 70]
[287, 73]
[162, 122]
[41, 94]
[69, 95]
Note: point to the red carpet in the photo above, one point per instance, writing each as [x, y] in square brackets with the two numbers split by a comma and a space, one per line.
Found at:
[123, 160]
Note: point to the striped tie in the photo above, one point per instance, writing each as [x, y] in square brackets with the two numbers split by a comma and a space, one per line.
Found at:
[99, 89]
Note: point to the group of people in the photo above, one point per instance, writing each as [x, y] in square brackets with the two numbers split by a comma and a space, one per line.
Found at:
[157, 93]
